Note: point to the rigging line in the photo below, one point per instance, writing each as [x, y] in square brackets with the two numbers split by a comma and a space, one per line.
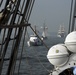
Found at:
[21, 56]
[15, 13]
[1, 3]
[7, 12]
[8, 36]
[5, 28]
[14, 37]
[29, 13]
[14, 55]
[22, 49]
[28, 63]
[17, 42]
[3, 55]
[11, 13]
[21, 9]
[27, 16]
[9, 40]
[20, 29]
[70, 16]
[29, 5]
[39, 38]
[28, 35]
[42, 64]
[14, 43]
[7, 2]
[28, 9]
[4, 51]
[31, 9]
[24, 38]
[2, 42]
[25, 11]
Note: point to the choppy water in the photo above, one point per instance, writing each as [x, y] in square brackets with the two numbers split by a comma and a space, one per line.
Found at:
[34, 60]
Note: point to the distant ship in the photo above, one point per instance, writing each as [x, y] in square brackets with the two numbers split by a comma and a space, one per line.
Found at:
[34, 40]
[61, 31]
[44, 33]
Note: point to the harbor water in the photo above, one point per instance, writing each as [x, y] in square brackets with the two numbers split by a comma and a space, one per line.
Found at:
[34, 60]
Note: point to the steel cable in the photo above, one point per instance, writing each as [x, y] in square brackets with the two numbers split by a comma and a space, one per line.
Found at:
[39, 38]
[21, 10]
[15, 50]
[1, 2]
[37, 57]
[42, 64]
[22, 52]
[30, 10]
[9, 34]
[5, 49]
[2, 42]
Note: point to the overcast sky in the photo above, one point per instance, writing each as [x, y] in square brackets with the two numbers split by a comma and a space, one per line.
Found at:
[53, 12]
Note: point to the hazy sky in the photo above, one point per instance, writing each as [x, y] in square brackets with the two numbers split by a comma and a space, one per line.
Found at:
[53, 12]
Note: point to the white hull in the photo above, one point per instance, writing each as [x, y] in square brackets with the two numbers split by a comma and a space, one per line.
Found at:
[61, 35]
[34, 41]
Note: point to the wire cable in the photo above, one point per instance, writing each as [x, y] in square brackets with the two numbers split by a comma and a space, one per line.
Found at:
[39, 38]
[22, 50]
[2, 42]
[1, 2]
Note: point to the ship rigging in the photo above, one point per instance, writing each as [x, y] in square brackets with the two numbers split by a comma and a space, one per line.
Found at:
[14, 20]
[14, 16]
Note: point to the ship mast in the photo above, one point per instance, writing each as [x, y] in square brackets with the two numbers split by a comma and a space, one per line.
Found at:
[44, 30]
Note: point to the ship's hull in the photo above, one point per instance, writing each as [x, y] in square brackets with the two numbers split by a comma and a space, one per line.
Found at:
[30, 43]
[61, 35]
[34, 41]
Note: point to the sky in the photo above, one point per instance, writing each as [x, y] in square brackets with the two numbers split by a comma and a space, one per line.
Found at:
[51, 12]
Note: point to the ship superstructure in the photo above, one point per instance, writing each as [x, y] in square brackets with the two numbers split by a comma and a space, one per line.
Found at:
[34, 40]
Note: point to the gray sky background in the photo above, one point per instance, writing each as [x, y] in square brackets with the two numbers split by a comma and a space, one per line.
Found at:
[53, 12]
